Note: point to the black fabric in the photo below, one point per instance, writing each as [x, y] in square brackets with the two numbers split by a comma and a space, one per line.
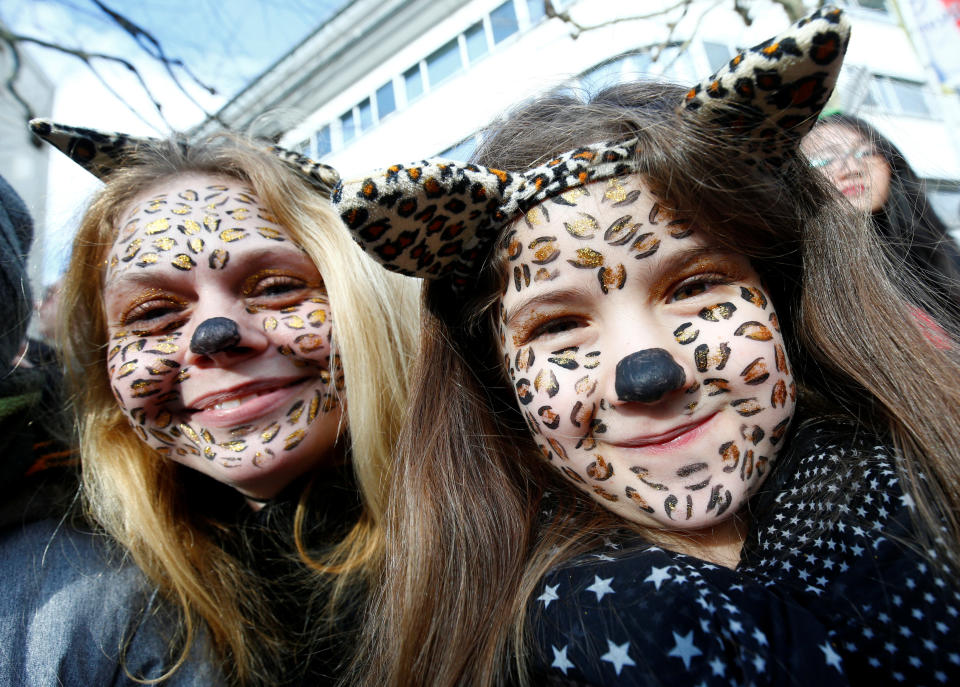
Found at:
[825, 593]
[298, 596]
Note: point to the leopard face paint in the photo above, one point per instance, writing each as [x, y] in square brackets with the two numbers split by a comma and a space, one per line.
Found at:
[648, 364]
[220, 333]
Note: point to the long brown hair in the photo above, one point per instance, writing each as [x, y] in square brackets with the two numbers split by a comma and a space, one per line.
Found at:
[169, 519]
[466, 539]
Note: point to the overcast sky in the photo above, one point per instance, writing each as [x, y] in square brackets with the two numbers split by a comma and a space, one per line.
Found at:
[226, 44]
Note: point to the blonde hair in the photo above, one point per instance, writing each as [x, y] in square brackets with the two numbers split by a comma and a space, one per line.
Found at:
[142, 500]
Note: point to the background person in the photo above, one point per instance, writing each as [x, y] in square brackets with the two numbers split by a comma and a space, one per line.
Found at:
[872, 173]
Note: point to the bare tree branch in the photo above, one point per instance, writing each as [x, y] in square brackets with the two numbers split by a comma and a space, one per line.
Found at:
[10, 82]
[149, 44]
[146, 41]
[580, 28]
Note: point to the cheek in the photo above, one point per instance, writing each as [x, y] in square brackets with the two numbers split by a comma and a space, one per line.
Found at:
[557, 391]
[144, 370]
[302, 332]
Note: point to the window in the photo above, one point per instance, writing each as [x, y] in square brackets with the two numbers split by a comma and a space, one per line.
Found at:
[601, 76]
[503, 21]
[413, 82]
[476, 39]
[303, 147]
[323, 141]
[462, 151]
[897, 96]
[718, 54]
[909, 97]
[366, 114]
[386, 102]
[537, 10]
[347, 126]
[879, 5]
[444, 62]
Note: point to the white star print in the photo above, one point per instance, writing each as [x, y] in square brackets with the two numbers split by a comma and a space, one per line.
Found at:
[658, 575]
[601, 587]
[832, 657]
[560, 660]
[549, 594]
[617, 655]
[684, 648]
[718, 667]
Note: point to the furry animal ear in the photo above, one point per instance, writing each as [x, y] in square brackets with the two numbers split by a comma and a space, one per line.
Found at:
[98, 152]
[437, 218]
[101, 152]
[768, 97]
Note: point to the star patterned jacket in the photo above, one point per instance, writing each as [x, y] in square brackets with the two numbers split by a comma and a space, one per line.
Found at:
[826, 592]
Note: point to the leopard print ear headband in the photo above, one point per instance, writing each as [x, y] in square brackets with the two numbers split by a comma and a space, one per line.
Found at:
[101, 152]
[436, 218]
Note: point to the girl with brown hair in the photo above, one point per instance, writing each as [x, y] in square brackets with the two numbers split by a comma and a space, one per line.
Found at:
[875, 177]
[238, 366]
[664, 430]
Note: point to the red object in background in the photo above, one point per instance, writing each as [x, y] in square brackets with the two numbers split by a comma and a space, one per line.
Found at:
[953, 9]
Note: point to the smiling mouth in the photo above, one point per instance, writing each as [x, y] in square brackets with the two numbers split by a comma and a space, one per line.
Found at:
[230, 400]
[681, 433]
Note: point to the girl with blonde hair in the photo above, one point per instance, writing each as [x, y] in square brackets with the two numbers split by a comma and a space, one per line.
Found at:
[669, 427]
[239, 370]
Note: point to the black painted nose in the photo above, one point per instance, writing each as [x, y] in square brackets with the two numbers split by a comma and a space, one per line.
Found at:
[215, 335]
[645, 376]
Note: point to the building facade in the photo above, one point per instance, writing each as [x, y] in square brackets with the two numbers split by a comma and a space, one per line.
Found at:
[397, 80]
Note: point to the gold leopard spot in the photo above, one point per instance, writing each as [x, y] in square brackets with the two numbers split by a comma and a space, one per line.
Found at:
[183, 262]
[158, 226]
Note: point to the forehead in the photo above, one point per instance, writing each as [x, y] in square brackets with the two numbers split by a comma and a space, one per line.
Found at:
[596, 234]
[832, 136]
[178, 221]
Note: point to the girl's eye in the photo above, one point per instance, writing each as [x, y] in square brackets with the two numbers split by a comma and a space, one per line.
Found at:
[151, 312]
[276, 286]
[689, 291]
[552, 327]
[698, 285]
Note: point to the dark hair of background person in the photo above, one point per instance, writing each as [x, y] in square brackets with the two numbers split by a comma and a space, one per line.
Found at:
[467, 542]
[910, 227]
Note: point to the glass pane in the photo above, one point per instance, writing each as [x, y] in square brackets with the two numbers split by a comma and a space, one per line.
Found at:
[413, 82]
[476, 41]
[462, 151]
[366, 114]
[323, 141]
[386, 102]
[503, 21]
[444, 62]
[537, 10]
[874, 4]
[910, 97]
[718, 54]
[347, 126]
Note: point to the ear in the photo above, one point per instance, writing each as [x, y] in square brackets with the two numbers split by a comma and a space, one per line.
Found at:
[435, 219]
[428, 219]
[767, 97]
[322, 177]
[99, 152]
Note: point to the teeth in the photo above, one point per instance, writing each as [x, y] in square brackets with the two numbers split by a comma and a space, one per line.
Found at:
[233, 403]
